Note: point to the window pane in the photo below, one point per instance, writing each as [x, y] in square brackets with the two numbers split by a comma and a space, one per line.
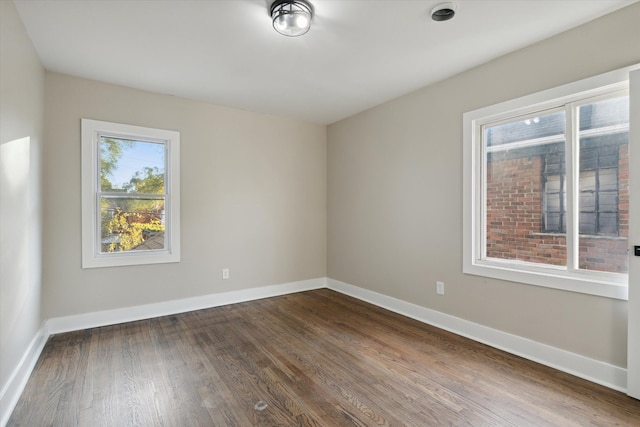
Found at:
[588, 160]
[131, 166]
[131, 224]
[553, 222]
[553, 184]
[553, 203]
[607, 222]
[588, 181]
[587, 222]
[608, 202]
[525, 187]
[608, 179]
[587, 202]
[608, 157]
[604, 185]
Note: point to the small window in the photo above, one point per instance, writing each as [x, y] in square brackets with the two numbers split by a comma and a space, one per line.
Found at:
[547, 188]
[130, 195]
[598, 191]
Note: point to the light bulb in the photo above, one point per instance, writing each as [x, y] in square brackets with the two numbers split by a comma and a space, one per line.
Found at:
[302, 21]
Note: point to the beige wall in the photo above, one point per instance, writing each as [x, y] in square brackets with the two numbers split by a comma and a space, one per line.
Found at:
[21, 100]
[253, 199]
[395, 195]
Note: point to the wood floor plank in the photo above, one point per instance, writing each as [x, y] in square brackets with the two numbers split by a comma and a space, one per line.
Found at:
[311, 371]
[355, 393]
[316, 358]
[393, 371]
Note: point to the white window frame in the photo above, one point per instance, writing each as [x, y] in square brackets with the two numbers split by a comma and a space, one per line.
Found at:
[91, 132]
[610, 285]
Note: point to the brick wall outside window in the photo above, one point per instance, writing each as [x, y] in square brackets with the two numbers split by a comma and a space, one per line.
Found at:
[514, 218]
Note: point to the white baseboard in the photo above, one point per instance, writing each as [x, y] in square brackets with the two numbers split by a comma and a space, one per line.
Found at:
[77, 322]
[593, 370]
[583, 367]
[13, 387]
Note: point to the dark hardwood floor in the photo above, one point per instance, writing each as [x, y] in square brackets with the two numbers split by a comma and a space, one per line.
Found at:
[313, 358]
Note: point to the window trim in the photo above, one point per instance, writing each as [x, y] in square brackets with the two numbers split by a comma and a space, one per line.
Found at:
[91, 130]
[609, 285]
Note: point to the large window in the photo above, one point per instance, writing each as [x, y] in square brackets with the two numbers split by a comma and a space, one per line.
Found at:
[130, 198]
[547, 188]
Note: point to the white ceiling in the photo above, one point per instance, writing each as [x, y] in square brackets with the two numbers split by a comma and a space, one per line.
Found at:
[357, 54]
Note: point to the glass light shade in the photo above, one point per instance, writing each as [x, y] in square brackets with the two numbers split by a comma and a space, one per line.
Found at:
[291, 18]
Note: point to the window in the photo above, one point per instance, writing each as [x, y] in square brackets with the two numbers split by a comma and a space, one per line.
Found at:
[547, 188]
[599, 190]
[130, 195]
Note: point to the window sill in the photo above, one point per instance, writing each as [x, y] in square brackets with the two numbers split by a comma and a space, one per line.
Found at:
[609, 285]
[129, 258]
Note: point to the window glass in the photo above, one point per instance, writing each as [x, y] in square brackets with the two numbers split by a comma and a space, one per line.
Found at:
[524, 193]
[126, 224]
[130, 172]
[526, 197]
[131, 166]
[604, 185]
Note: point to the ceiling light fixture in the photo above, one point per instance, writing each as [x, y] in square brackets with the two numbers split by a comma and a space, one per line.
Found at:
[291, 18]
[443, 12]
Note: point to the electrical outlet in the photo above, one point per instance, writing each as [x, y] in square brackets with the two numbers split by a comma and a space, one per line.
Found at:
[440, 288]
[225, 273]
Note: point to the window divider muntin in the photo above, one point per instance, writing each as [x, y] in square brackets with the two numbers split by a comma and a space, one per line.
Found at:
[131, 195]
[572, 169]
[482, 229]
